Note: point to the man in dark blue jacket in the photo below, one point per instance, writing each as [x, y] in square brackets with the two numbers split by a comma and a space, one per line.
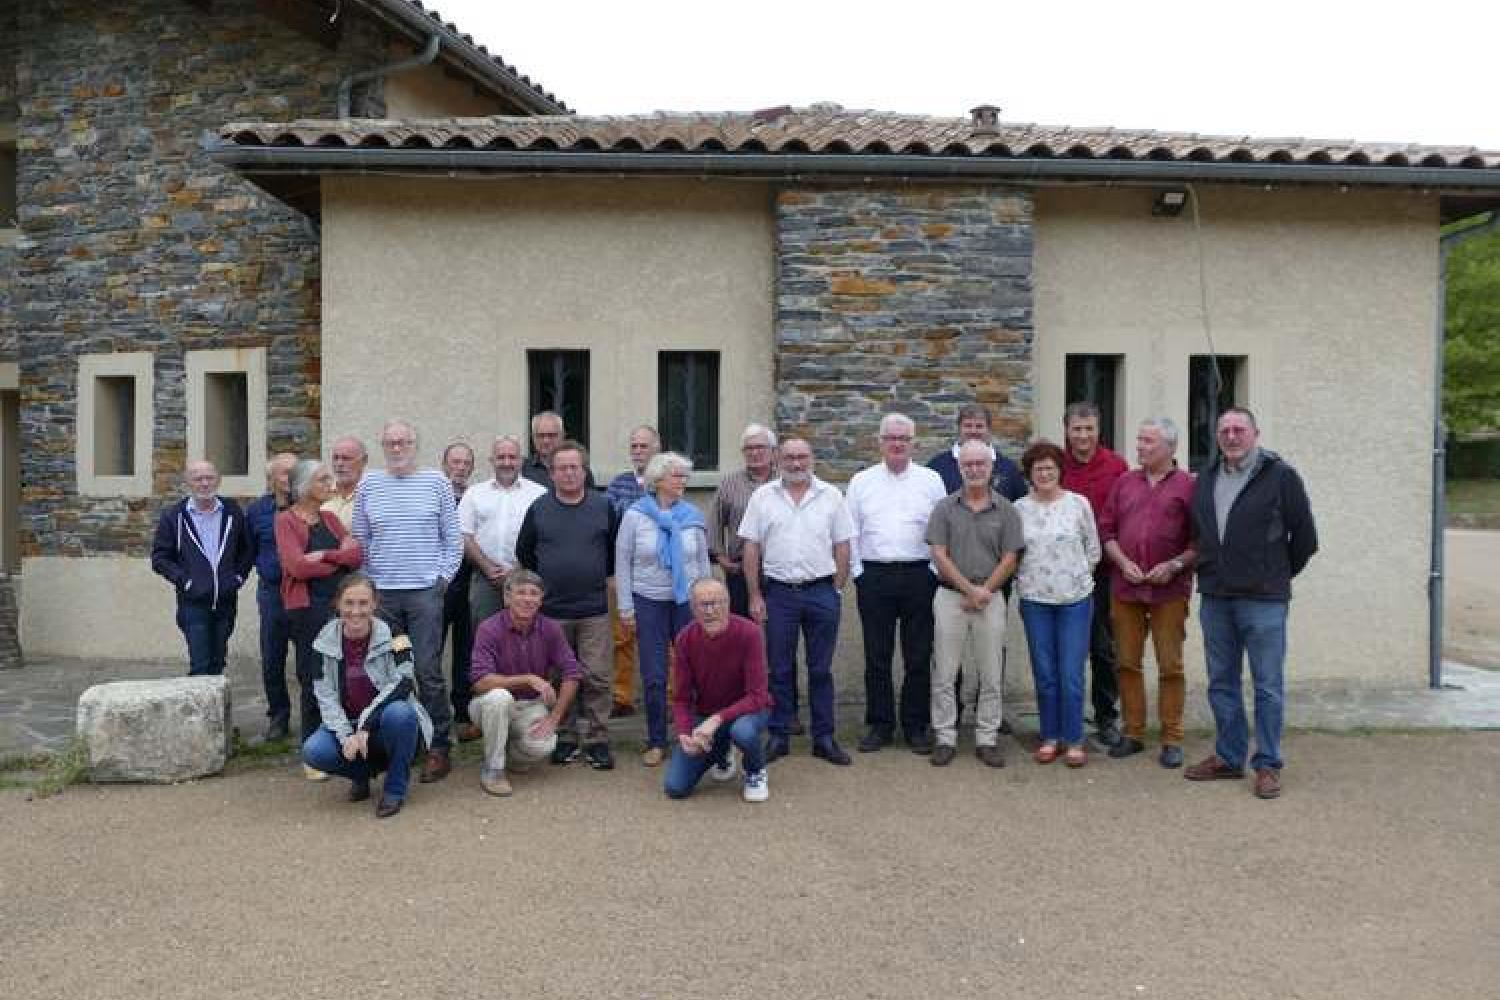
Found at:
[974, 425]
[204, 550]
[1255, 532]
[275, 630]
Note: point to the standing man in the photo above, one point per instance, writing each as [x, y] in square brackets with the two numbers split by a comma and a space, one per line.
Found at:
[797, 532]
[348, 459]
[489, 516]
[547, 433]
[525, 678]
[458, 466]
[407, 523]
[974, 425]
[725, 548]
[889, 504]
[976, 540]
[203, 549]
[1255, 532]
[275, 630]
[623, 491]
[1147, 530]
[1090, 469]
[568, 538]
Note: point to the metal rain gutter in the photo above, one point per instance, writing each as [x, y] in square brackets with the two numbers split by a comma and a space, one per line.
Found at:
[331, 159]
[1435, 577]
[346, 85]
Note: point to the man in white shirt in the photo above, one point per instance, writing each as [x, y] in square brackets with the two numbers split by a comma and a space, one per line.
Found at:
[889, 504]
[797, 531]
[489, 517]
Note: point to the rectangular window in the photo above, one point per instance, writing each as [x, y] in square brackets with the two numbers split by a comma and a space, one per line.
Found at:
[687, 405]
[226, 410]
[559, 381]
[1095, 378]
[112, 433]
[1211, 390]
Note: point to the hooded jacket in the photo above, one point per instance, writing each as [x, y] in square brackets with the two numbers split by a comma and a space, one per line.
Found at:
[178, 555]
[1269, 534]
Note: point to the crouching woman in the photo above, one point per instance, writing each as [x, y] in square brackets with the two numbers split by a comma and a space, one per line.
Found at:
[366, 690]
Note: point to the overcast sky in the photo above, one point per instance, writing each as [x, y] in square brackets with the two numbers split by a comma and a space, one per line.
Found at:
[1328, 69]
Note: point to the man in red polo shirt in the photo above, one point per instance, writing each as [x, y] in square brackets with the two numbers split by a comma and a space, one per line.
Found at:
[1090, 469]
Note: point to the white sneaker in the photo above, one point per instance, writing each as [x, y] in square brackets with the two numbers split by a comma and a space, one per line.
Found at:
[725, 771]
[313, 774]
[756, 787]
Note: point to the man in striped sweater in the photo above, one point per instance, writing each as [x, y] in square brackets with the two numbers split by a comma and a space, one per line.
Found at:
[407, 521]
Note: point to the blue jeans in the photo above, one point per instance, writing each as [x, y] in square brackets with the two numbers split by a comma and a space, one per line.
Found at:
[656, 625]
[813, 610]
[1232, 628]
[748, 732]
[207, 630]
[275, 630]
[392, 746]
[1058, 637]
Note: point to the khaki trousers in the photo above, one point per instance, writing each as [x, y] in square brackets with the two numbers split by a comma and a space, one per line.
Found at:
[1167, 625]
[591, 641]
[506, 723]
[953, 628]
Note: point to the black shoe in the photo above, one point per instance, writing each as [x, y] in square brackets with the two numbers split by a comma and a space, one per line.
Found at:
[920, 741]
[1170, 756]
[277, 729]
[942, 755]
[359, 791]
[990, 756]
[797, 728]
[599, 757]
[777, 747]
[874, 739]
[1005, 729]
[828, 749]
[1108, 735]
[1127, 747]
[387, 808]
[565, 753]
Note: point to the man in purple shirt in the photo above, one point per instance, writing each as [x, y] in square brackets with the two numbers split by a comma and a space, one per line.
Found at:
[519, 659]
[719, 697]
[1146, 527]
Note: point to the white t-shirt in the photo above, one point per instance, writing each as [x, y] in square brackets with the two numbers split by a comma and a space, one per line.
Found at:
[797, 539]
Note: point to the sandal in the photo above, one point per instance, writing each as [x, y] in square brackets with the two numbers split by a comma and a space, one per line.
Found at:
[1046, 753]
[1076, 756]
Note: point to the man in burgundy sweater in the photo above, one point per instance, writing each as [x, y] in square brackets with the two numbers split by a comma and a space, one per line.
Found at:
[1090, 469]
[719, 697]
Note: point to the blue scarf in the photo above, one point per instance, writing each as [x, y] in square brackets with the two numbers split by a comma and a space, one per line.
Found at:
[670, 525]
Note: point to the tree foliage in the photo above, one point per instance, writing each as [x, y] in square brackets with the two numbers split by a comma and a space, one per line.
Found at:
[1471, 385]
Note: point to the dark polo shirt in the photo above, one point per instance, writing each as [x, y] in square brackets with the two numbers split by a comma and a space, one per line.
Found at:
[976, 540]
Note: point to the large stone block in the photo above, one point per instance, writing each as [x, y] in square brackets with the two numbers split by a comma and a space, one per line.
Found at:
[164, 730]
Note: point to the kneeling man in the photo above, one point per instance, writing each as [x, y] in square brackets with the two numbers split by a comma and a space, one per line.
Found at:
[517, 653]
[719, 697]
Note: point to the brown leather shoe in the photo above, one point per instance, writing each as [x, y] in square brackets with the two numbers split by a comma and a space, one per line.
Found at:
[435, 767]
[621, 710]
[1211, 769]
[468, 732]
[1267, 783]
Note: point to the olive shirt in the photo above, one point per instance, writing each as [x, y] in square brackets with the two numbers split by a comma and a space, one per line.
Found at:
[976, 540]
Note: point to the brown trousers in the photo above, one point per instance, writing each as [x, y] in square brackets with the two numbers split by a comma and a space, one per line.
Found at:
[1167, 625]
[591, 641]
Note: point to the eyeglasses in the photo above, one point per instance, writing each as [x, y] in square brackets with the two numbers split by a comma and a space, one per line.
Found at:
[717, 605]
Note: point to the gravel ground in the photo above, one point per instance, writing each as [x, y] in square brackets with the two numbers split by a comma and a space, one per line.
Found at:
[1374, 876]
[1471, 632]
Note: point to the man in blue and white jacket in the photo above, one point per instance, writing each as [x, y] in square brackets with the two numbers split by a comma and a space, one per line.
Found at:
[204, 550]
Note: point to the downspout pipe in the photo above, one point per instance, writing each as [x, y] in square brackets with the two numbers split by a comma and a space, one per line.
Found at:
[1435, 578]
[348, 83]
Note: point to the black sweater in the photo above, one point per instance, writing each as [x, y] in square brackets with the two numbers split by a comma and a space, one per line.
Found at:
[572, 548]
[1268, 538]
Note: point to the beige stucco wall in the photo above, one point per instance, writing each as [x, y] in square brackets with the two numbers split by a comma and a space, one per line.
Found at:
[1332, 297]
[433, 291]
[430, 92]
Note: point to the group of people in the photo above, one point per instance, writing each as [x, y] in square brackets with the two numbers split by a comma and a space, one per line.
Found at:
[558, 595]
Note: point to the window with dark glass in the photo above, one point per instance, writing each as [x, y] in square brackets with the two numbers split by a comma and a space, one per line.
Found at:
[559, 381]
[1215, 383]
[114, 425]
[226, 422]
[1095, 378]
[687, 404]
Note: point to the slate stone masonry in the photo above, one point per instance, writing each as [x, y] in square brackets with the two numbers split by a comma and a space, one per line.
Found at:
[131, 239]
[916, 299]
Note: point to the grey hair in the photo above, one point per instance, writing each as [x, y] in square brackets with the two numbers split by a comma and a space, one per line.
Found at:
[398, 422]
[1168, 428]
[537, 418]
[661, 465]
[755, 431]
[979, 446]
[891, 419]
[655, 434]
[507, 439]
[523, 578]
[704, 582]
[364, 452]
[302, 477]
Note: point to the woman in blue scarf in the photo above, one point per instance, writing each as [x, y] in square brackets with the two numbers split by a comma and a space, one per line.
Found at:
[661, 550]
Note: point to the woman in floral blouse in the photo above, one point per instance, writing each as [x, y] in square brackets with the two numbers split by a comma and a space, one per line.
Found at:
[1056, 582]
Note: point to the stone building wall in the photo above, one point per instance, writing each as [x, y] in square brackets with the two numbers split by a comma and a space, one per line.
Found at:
[917, 299]
[9, 52]
[131, 239]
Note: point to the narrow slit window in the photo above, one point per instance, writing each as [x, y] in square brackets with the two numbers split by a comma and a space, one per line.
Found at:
[1215, 383]
[114, 425]
[1095, 378]
[226, 429]
[687, 403]
[559, 381]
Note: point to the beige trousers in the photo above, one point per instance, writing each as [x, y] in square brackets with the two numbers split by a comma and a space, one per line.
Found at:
[506, 723]
[984, 633]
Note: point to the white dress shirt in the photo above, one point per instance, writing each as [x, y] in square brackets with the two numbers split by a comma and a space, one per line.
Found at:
[796, 539]
[492, 514]
[890, 512]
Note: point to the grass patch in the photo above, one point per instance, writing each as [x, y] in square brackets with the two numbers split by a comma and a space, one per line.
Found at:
[63, 769]
[1474, 496]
